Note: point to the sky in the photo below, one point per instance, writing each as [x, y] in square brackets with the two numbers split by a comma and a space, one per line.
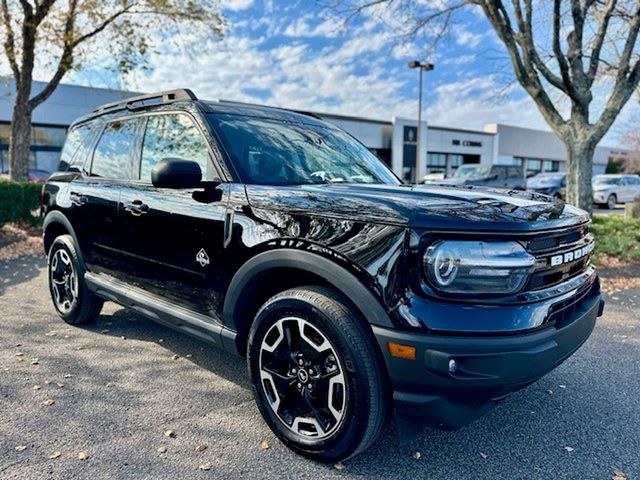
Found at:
[296, 54]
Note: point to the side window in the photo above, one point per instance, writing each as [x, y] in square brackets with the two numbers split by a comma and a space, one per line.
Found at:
[172, 136]
[114, 152]
[514, 172]
[76, 146]
[500, 172]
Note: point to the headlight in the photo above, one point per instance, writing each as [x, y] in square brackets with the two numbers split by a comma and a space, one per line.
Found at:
[477, 267]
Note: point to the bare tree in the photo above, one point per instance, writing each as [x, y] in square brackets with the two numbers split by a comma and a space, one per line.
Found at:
[61, 35]
[561, 51]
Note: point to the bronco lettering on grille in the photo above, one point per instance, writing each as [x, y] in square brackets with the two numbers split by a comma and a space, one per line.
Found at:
[571, 256]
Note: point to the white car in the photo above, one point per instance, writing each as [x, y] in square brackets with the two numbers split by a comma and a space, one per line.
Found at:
[611, 189]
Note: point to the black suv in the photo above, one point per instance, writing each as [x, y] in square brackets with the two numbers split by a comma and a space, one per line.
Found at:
[279, 237]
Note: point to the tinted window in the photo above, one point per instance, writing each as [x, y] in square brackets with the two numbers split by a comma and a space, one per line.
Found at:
[172, 136]
[501, 172]
[269, 152]
[76, 146]
[113, 155]
[514, 172]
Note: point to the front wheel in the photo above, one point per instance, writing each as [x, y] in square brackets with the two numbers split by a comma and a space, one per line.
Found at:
[611, 202]
[317, 374]
[72, 299]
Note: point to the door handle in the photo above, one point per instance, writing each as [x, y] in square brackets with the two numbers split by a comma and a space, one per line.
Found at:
[137, 208]
[76, 199]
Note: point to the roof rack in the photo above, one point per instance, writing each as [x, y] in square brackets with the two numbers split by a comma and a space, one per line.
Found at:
[140, 101]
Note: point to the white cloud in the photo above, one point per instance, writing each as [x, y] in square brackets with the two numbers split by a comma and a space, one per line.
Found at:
[236, 5]
[302, 27]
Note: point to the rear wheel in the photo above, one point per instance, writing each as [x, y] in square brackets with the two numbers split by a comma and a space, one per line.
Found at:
[316, 374]
[73, 301]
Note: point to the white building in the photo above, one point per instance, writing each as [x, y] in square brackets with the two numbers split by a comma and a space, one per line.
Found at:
[394, 141]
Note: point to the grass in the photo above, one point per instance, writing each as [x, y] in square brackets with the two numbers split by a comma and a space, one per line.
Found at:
[616, 237]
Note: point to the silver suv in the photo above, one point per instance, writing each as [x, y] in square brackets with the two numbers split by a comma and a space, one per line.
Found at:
[608, 190]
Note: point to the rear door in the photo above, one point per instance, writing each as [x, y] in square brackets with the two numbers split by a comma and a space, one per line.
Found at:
[174, 242]
[94, 196]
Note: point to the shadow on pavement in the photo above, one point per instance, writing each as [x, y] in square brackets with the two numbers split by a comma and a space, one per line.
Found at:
[19, 270]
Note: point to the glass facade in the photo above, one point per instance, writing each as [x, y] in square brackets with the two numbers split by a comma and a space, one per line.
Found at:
[533, 166]
[46, 145]
[437, 161]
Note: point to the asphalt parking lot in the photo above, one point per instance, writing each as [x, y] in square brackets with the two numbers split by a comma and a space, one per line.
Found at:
[109, 393]
[619, 210]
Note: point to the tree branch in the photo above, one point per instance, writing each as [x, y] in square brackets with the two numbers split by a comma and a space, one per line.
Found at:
[627, 80]
[594, 62]
[557, 49]
[66, 59]
[499, 18]
[528, 45]
[102, 26]
[9, 44]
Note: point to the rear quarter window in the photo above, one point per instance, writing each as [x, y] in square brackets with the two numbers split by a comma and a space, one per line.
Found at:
[76, 147]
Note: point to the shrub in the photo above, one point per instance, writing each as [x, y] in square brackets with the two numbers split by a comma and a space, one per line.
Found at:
[617, 236]
[18, 201]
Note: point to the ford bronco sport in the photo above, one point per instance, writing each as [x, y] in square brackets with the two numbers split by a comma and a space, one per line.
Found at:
[279, 237]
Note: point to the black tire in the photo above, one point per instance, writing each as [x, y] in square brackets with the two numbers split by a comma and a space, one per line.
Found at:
[611, 201]
[364, 405]
[82, 306]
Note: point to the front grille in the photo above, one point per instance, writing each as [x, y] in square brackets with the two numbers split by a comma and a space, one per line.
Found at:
[559, 257]
[560, 313]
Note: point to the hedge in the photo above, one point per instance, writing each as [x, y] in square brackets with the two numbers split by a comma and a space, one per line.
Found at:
[18, 201]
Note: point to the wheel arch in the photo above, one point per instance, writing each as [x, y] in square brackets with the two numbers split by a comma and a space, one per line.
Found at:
[55, 224]
[273, 271]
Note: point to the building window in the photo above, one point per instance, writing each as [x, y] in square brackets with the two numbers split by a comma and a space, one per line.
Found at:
[436, 162]
[533, 166]
[46, 144]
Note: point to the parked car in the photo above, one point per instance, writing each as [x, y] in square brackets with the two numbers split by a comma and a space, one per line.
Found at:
[548, 183]
[279, 237]
[433, 177]
[34, 175]
[608, 190]
[497, 176]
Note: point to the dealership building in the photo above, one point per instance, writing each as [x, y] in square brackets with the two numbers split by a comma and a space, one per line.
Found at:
[394, 141]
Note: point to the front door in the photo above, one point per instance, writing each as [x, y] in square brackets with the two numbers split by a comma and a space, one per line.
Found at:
[174, 236]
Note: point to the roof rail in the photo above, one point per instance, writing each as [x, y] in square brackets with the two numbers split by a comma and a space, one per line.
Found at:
[301, 112]
[133, 103]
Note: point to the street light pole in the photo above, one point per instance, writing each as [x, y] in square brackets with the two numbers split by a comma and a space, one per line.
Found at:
[422, 67]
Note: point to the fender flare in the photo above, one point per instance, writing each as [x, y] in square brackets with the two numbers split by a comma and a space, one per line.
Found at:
[344, 281]
[56, 216]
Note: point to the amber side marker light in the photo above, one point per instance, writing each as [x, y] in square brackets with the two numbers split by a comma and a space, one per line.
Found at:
[401, 351]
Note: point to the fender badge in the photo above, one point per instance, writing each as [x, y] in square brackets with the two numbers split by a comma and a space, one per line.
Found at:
[202, 258]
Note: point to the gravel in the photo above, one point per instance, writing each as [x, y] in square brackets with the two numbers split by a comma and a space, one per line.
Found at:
[118, 386]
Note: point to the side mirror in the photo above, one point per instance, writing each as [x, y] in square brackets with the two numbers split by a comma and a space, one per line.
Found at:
[176, 173]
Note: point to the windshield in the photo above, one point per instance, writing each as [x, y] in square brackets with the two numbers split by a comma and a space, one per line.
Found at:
[472, 171]
[606, 180]
[269, 152]
[546, 179]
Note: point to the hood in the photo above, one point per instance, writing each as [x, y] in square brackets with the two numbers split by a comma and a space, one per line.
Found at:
[425, 206]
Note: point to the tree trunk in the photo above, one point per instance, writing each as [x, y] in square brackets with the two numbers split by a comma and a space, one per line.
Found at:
[579, 171]
[20, 138]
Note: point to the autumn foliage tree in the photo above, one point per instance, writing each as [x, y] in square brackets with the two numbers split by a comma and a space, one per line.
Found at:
[577, 59]
[61, 35]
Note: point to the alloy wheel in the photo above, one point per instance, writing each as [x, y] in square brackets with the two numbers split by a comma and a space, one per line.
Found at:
[64, 281]
[302, 378]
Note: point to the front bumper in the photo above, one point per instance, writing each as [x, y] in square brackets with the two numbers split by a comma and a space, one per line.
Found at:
[600, 197]
[487, 367]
